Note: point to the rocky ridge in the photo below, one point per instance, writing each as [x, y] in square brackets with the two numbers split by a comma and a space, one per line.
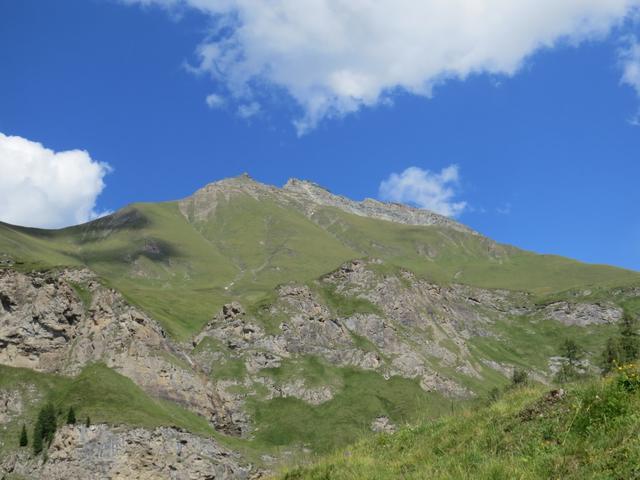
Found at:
[307, 197]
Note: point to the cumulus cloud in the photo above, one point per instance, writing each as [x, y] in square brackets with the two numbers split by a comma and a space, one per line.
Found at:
[433, 191]
[43, 188]
[336, 56]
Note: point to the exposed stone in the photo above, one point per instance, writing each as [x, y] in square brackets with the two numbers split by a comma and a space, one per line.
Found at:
[583, 314]
[49, 329]
[383, 425]
[103, 452]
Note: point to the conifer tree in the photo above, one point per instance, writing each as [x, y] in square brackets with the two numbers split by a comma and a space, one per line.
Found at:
[71, 417]
[24, 440]
[629, 339]
[37, 437]
[45, 428]
[625, 347]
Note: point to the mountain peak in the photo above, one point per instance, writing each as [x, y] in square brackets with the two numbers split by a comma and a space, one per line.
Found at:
[307, 196]
[294, 184]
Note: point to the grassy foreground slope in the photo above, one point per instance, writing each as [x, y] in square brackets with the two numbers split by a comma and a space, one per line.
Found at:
[591, 431]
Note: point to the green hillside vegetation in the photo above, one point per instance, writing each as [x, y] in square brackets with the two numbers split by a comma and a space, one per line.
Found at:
[97, 392]
[360, 397]
[181, 273]
[591, 431]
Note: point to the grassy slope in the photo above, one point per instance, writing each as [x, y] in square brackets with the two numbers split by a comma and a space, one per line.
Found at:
[97, 392]
[182, 273]
[590, 433]
[447, 255]
[360, 397]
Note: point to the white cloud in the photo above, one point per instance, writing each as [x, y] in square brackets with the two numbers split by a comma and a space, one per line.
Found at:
[335, 56]
[629, 57]
[433, 191]
[249, 110]
[43, 188]
[214, 101]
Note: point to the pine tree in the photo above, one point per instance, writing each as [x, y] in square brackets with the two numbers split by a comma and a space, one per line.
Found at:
[611, 355]
[49, 422]
[572, 354]
[37, 436]
[629, 339]
[71, 417]
[24, 440]
[571, 351]
[45, 428]
[623, 348]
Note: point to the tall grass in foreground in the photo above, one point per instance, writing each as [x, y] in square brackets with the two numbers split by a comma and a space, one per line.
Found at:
[591, 431]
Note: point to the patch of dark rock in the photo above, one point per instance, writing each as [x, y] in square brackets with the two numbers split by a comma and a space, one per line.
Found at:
[231, 311]
[542, 407]
[7, 303]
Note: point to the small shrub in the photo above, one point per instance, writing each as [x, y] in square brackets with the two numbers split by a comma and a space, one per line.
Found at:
[519, 378]
[628, 377]
[494, 394]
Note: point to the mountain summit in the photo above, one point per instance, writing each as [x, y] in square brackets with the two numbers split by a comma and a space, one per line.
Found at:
[251, 324]
[308, 197]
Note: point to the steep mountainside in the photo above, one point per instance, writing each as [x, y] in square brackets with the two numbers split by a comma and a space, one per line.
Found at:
[262, 324]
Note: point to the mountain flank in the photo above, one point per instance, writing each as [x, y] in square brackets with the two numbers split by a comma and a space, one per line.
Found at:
[249, 326]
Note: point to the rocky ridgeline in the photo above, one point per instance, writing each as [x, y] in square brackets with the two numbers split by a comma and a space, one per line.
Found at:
[307, 197]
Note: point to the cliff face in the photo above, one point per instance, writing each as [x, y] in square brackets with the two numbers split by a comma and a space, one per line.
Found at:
[46, 326]
[104, 452]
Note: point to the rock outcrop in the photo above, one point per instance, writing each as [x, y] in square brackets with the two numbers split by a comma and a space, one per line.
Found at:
[117, 453]
[46, 326]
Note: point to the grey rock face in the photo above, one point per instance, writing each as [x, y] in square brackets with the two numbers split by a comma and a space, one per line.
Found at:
[103, 452]
[583, 314]
[383, 425]
[46, 327]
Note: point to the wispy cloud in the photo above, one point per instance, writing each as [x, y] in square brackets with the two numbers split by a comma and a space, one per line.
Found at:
[433, 191]
[249, 110]
[629, 56]
[43, 188]
[334, 57]
[214, 101]
[505, 209]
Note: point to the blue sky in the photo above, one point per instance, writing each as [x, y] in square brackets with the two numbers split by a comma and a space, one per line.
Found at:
[545, 143]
